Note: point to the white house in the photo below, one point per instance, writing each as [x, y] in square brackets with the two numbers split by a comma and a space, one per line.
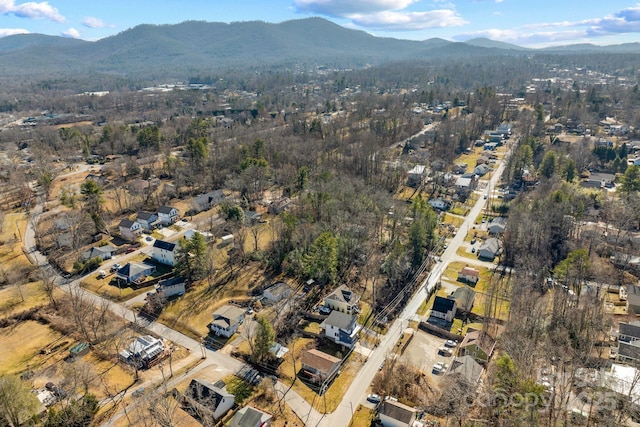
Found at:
[226, 320]
[342, 299]
[490, 249]
[168, 215]
[103, 252]
[142, 351]
[469, 275]
[440, 204]
[170, 287]
[208, 400]
[416, 175]
[129, 230]
[497, 225]
[442, 312]
[341, 328]
[277, 292]
[164, 252]
[148, 220]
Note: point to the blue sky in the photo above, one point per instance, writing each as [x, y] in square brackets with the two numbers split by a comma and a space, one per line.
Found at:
[533, 23]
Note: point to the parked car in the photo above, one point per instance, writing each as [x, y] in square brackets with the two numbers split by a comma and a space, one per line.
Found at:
[115, 267]
[102, 274]
[473, 250]
[451, 343]
[131, 249]
[439, 368]
[445, 351]
[473, 241]
[325, 310]
[374, 398]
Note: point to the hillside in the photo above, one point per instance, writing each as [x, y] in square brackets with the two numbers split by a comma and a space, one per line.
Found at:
[162, 50]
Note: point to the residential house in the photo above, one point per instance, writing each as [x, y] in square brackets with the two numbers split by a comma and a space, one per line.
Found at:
[490, 249]
[278, 206]
[469, 275]
[442, 312]
[481, 170]
[466, 367]
[341, 328]
[129, 230]
[440, 204]
[204, 202]
[416, 175]
[505, 129]
[251, 417]
[497, 225]
[460, 168]
[629, 341]
[102, 252]
[226, 320]
[395, 414]
[168, 215]
[319, 366]
[143, 351]
[633, 299]
[164, 252]
[134, 272]
[464, 297]
[343, 299]
[148, 220]
[599, 180]
[207, 401]
[277, 292]
[479, 345]
[170, 287]
[466, 184]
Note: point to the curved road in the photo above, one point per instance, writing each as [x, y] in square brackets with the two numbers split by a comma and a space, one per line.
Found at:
[358, 388]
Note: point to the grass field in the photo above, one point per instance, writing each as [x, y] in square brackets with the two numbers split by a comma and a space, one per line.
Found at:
[17, 353]
[362, 417]
[16, 299]
[112, 291]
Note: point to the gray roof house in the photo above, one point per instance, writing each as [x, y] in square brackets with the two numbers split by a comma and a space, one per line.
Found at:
[129, 229]
[226, 320]
[148, 220]
[468, 368]
[497, 226]
[168, 215]
[134, 271]
[103, 252]
[251, 417]
[629, 341]
[342, 299]
[490, 249]
[633, 299]
[395, 414]
[277, 292]
[341, 328]
[206, 201]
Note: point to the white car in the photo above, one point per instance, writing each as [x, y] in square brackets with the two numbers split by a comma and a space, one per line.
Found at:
[440, 368]
[445, 351]
[451, 343]
[374, 398]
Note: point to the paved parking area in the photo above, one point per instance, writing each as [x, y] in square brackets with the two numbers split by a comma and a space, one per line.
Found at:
[423, 353]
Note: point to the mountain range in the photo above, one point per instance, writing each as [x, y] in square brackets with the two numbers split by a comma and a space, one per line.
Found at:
[195, 46]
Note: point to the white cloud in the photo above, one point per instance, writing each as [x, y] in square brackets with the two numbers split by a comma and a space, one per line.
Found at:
[32, 10]
[344, 8]
[12, 31]
[409, 21]
[92, 22]
[384, 15]
[71, 33]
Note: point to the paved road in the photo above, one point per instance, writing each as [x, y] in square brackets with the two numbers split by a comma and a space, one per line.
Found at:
[357, 391]
[216, 359]
[358, 388]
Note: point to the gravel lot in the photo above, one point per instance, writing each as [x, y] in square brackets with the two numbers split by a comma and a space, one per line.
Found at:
[423, 353]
